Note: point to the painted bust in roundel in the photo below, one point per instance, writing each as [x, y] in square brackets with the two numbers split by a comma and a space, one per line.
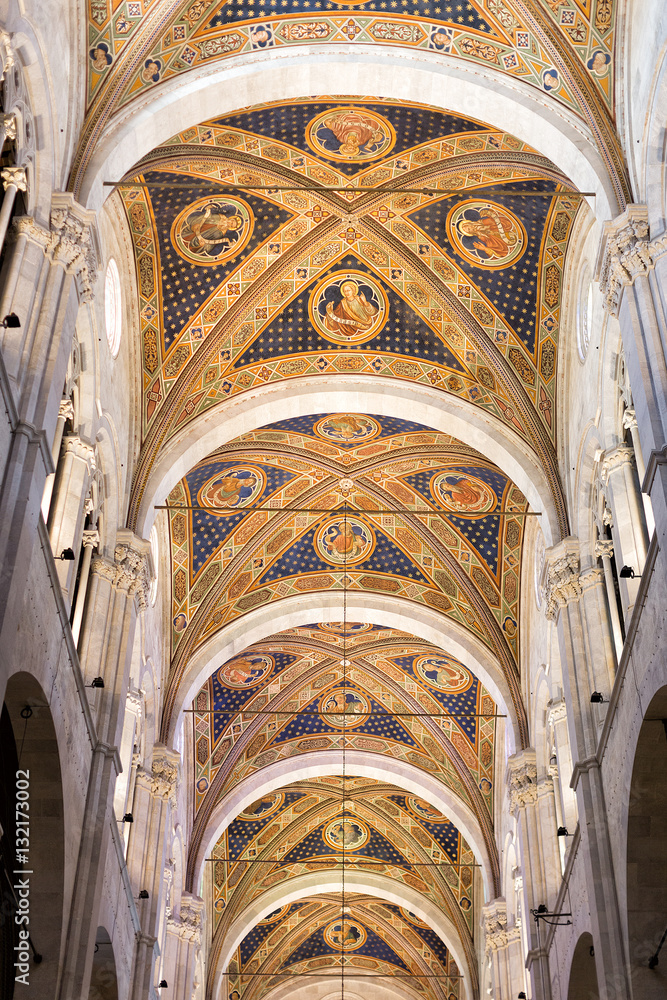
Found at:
[486, 234]
[231, 490]
[354, 314]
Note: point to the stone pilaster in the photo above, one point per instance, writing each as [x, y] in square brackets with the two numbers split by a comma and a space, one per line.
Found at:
[632, 269]
[503, 948]
[183, 941]
[154, 797]
[574, 602]
[38, 283]
[536, 864]
[116, 591]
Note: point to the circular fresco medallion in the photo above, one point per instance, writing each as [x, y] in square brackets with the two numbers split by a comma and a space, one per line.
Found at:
[485, 234]
[462, 493]
[345, 628]
[424, 810]
[348, 307]
[235, 487]
[350, 134]
[246, 671]
[411, 917]
[347, 834]
[276, 915]
[261, 808]
[443, 673]
[345, 708]
[347, 428]
[344, 935]
[212, 230]
[344, 541]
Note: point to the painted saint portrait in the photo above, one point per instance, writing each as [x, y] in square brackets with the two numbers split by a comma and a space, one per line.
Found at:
[348, 308]
[100, 57]
[180, 622]
[426, 811]
[346, 834]
[233, 488]
[599, 62]
[463, 494]
[443, 673]
[350, 134]
[486, 234]
[345, 935]
[245, 671]
[347, 428]
[212, 230]
[151, 71]
[550, 79]
[345, 708]
[344, 541]
[261, 36]
[440, 39]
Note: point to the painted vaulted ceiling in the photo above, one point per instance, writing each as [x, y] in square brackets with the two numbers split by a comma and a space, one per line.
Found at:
[562, 48]
[437, 262]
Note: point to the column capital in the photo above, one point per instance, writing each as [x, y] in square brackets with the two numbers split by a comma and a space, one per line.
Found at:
[133, 565]
[73, 241]
[162, 779]
[66, 409]
[74, 445]
[613, 459]
[16, 176]
[604, 547]
[190, 920]
[90, 537]
[624, 253]
[562, 574]
[629, 418]
[496, 932]
[8, 124]
[556, 711]
[522, 779]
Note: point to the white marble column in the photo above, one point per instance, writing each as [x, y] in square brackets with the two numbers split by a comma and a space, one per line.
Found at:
[154, 797]
[90, 540]
[604, 550]
[75, 468]
[585, 663]
[13, 180]
[617, 475]
[118, 590]
[183, 941]
[65, 413]
[503, 948]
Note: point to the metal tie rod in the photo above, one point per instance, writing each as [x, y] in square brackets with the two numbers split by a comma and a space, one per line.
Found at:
[337, 189]
[351, 968]
[229, 511]
[351, 715]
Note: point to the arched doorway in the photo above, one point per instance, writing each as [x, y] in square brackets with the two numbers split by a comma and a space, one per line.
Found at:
[31, 774]
[103, 980]
[583, 974]
[647, 854]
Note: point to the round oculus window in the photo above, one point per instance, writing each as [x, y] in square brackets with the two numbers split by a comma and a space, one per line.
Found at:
[112, 307]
